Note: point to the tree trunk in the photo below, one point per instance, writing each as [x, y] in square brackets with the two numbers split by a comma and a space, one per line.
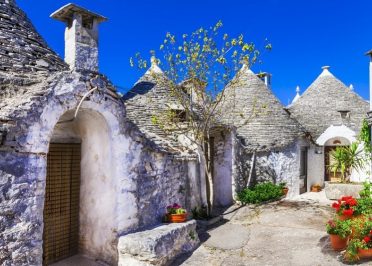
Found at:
[206, 156]
[251, 171]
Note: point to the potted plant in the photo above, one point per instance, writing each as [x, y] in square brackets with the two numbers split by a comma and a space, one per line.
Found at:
[360, 246]
[176, 214]
[339, 232]
[346, 207]
[284, 188]
[316, 188]
[345, 159]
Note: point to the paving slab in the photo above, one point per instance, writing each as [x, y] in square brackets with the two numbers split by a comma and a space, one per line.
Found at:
[288, 233]
[227, 236]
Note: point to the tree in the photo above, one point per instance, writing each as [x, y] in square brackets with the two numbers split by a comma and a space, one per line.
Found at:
[198, 66]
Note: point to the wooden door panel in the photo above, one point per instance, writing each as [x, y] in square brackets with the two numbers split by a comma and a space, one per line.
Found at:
[61, 207]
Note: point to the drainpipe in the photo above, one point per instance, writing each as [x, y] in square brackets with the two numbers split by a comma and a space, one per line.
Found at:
[369, 53]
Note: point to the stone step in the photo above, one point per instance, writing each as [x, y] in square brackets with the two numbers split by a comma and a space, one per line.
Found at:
[157, 246]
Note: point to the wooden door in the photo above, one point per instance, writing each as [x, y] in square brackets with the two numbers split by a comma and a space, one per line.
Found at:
[61, 207]
[329, 175]
[303, 170]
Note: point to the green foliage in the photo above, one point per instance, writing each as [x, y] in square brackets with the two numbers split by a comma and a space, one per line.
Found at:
[260, 193]
[362, 229]
[365, 137]
[200, 213]
[345, 159]
[338, 227]
[352, 249]
[192, 235]
[365, 201]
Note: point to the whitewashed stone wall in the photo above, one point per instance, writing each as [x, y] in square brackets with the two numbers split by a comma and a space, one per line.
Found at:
[223, 172]
[275, 166]
[141, 181]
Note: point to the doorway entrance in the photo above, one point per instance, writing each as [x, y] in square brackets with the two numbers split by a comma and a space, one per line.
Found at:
[330, 175]
[303, 170]
[62, 196]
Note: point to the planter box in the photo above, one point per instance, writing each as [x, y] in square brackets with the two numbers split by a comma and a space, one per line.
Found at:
[335, 191]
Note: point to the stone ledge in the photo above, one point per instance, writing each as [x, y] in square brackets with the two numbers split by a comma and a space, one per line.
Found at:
[157, 246]
[335, 191]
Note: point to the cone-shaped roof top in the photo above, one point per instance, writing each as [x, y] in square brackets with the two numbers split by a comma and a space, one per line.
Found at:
[260, 118]
[22, 49]
[322, 103]
[150, 97]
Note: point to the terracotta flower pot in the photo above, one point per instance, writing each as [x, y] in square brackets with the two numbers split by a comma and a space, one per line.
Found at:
[177, 218]
[315, 189]
[338, 243]
[285, 191]
[344, 217]
[365, 253]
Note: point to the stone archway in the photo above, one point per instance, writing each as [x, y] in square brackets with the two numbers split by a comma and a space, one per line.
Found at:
[88, 135]
[121, 156]
[329, 146]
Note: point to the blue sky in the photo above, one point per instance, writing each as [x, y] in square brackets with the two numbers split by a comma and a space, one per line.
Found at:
[305, 34]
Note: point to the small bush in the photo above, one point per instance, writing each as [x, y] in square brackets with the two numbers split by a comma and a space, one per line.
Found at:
[260, 193]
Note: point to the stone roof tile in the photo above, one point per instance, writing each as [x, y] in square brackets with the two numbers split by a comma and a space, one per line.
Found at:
[319, 106]
[271, 127]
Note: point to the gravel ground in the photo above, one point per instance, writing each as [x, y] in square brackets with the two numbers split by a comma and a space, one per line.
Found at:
[282, 233]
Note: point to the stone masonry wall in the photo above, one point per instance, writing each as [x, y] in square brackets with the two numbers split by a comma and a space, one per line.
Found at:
[162, 180]
[146, 180]
[275, 166]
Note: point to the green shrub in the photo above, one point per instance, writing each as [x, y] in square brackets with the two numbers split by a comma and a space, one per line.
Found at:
[338, 227]
[260, 193]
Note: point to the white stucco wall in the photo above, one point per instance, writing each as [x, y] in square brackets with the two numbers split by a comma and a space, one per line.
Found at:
[315, 166]
[223, 164]
[194, 199]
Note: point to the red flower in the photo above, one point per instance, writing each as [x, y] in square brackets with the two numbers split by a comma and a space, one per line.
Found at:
[367, 239]
[336, 205]
[348, 212]
[332, 223]
[370, 232]
[352, 202]
[346, 198]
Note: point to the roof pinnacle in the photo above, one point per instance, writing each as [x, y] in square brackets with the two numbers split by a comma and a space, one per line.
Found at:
[326, 71]
[154, 68]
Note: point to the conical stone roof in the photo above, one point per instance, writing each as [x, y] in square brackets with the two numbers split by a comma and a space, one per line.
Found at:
[149, 98]
[320, 105]
[261, 121]
[22, 49]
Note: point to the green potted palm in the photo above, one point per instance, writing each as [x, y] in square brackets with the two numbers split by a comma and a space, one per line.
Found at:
[345, 159]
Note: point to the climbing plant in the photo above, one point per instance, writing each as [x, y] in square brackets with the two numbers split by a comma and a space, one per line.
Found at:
[365, 137]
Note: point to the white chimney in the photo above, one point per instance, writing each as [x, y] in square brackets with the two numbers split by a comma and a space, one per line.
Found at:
[81, 36]
[265, 77]
[369, 53]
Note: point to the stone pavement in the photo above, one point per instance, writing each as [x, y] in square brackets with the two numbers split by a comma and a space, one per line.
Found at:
[282, 233]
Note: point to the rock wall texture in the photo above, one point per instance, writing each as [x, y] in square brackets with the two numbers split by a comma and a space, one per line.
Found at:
[276, 166]
[157, 246]
[146, 180]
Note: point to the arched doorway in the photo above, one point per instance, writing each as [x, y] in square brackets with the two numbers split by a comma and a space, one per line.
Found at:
[329, 146]
[80, 190]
